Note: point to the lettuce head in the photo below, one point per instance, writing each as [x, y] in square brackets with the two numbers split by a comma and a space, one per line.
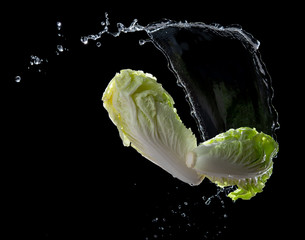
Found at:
[144, 114]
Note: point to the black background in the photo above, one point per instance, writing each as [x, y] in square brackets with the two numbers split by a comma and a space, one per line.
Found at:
[65, 173]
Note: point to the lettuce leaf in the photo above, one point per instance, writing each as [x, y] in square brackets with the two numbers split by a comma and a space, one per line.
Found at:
[146, 119]
[241, 157]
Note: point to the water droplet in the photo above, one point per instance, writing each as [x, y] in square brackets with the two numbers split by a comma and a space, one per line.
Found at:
[225, 215]
[183, 215]
[60, 48]
[17, 79]
[208, 202]
[58, 25]
[142, 42]
[84, 40]
[98, 44]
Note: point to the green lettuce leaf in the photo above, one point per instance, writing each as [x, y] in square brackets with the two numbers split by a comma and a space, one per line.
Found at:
[241, 157]
[146, 119]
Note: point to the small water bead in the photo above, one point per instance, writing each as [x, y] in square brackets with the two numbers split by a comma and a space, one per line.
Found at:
[142, 42]
[84, 40]
[58, 24]
[17, 79]
[60, 48]
[208, 201]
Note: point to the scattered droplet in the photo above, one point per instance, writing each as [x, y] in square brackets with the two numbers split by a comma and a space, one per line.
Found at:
[98, 44]
[60, 48]
[58, 25]
[35, 60]
[142, 42]
[84, 40]
[208, 202]
[17, 79]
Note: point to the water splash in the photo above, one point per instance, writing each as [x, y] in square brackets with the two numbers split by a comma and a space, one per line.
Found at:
[121, 28]
[220, 69]
[221, 72]
[218, 195]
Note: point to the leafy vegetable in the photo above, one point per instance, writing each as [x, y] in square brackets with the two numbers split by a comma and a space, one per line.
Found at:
[145, 116]
[146, 119]
[241, 157]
